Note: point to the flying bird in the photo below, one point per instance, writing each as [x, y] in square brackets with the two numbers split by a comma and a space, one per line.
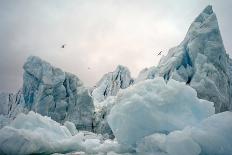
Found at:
[63, 46]
[160, 53]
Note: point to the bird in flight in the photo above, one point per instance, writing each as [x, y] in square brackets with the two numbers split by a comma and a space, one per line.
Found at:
[63, 46]
[160, 53]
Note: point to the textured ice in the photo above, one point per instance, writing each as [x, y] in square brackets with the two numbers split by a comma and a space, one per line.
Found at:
[36, 134]
[155, 117]
[102, 111]
[71, 127]
[154, 106]
[111, 83]
[211, 137]
[200, 61]
[10, 106]
[60, 95]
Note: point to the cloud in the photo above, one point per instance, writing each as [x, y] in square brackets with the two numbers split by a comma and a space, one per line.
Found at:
[99, 34]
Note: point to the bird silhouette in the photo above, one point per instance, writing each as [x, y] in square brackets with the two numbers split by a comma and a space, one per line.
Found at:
[159, 53]
[63, 46]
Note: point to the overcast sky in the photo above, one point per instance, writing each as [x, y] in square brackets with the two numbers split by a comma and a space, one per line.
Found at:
[99, 34]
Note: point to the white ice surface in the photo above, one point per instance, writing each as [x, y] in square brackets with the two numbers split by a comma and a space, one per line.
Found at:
[154, 106]
[211, 137]
[33, 133]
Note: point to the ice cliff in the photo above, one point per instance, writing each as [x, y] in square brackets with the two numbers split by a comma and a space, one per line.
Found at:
[111, 83]
[200, 61]
[11, 105]
[55, 93]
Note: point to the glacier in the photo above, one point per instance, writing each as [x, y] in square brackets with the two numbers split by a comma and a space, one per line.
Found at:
[200, 61]
[175, 108]
[111, 83]
[60, 95]
[11, 105]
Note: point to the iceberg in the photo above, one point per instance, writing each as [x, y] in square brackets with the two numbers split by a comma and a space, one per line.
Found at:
[155, 106]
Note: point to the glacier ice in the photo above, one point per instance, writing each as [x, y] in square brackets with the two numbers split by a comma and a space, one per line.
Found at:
[35, 134]
[71, 127]
[211, 137]
[102, 111]
[154, 106]
[11, 105]
[60, 95]
[111, 83]
[200, 61]
[156, 117]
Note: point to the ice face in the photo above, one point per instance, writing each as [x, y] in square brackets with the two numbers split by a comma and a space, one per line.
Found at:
[200, 61]
[111, 83]
[60, 95]
[102, 111]
[154, 106]
[11, 105]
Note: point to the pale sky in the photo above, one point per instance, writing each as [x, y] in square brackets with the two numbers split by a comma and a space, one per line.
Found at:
[100, 34]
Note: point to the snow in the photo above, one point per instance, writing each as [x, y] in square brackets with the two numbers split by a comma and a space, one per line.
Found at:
[154, 106]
